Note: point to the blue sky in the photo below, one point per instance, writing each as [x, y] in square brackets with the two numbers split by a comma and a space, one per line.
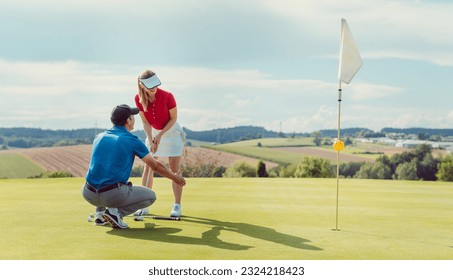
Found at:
[66, 64]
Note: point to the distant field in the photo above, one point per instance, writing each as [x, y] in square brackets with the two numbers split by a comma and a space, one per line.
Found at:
[18, 166]
[273, 151]
[288, 150]
[75, 159]
[235, 219]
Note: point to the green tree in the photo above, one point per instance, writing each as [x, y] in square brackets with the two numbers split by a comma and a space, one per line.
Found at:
[348, 141]
[423, 136]
[349, 169]
[445, 172]
[314, 167]
[261, 169]
[376, 170]
[427, 168]
[407, 171]
[426, 164]
[421, 151]
[317, 139]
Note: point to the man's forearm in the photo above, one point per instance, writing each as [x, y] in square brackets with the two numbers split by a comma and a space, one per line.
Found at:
[161, 169]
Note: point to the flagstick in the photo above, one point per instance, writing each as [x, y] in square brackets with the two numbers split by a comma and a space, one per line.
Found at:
[338, 152]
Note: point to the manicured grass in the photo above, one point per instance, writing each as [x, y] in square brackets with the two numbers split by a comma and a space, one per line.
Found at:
[235, 219]
[18, 166]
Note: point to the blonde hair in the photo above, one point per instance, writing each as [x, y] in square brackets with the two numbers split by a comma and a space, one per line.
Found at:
[143, 97]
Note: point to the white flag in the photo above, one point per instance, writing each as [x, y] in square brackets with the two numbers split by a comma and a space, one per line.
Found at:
[350, 60]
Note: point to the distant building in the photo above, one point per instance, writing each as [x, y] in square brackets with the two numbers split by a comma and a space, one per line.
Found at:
[407, 142]
[382, 140]
[410, 143]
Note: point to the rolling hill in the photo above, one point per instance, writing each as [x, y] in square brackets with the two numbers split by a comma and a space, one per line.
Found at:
[75, 159]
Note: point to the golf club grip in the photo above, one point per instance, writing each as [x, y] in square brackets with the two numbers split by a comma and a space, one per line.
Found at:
[166, 218]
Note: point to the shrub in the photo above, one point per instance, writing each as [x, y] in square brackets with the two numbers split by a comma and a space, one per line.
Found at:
[376, 170]
[287, 171]
[240, 169]
[202, 170]
[53, 174]
[349, 169]
[314, 167]
[445, 167]
[200, 167]
[137, 171]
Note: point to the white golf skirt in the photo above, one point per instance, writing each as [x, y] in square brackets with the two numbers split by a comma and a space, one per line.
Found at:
[171, 143]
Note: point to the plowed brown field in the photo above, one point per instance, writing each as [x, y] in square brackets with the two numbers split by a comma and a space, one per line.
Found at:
[75, 159]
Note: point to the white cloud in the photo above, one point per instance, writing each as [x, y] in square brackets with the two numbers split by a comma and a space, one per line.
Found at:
[75, 94]
[424, 119]
[438, 57]
[324, 118]
[414, 30]
[363, 91]
[227, 72]
[59, 78]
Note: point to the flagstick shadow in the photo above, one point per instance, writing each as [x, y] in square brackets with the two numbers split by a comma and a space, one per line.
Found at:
[211, 237]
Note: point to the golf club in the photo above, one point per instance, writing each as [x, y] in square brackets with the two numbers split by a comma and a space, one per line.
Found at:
[166, 218]
[141, 218]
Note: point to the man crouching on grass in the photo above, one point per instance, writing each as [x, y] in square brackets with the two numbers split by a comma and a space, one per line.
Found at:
[111, 163]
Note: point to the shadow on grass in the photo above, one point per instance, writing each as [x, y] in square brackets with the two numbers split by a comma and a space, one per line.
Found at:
[211, 237]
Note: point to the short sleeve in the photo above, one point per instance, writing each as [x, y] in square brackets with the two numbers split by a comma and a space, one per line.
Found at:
[137, 102]
[139, 147]
[171, 101]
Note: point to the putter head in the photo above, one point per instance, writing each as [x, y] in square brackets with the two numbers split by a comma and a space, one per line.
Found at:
[138, 218]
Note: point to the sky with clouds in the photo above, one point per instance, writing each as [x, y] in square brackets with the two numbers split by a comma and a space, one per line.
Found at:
[66, 64]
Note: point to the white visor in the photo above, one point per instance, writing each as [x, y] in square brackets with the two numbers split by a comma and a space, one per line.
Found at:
[151, 82]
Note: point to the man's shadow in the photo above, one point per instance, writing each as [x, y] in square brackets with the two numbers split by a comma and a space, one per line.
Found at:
[211, 238]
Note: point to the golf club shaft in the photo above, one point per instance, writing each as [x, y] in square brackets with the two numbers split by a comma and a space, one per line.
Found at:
[166, 218]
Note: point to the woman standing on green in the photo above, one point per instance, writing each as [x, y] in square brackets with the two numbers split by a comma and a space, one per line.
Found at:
[165, 137]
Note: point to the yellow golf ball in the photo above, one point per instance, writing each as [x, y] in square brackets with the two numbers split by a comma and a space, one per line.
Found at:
[338, 145]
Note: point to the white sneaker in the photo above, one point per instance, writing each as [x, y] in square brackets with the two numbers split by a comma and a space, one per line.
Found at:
[99, 220]
[114, 218]
[176, 211]
[142, 212]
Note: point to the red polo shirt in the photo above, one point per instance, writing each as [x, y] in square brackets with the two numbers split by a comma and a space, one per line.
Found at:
[158, 110]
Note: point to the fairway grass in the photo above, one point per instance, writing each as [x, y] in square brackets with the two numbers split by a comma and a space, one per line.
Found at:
[235, 219]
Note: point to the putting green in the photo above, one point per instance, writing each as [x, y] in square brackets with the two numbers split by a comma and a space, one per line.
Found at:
[235, 219]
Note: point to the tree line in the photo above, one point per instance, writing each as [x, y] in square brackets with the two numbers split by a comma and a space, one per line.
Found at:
[21, 137]
[417, 164]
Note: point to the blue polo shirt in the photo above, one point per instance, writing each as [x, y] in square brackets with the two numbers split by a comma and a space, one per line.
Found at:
[112, 157]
